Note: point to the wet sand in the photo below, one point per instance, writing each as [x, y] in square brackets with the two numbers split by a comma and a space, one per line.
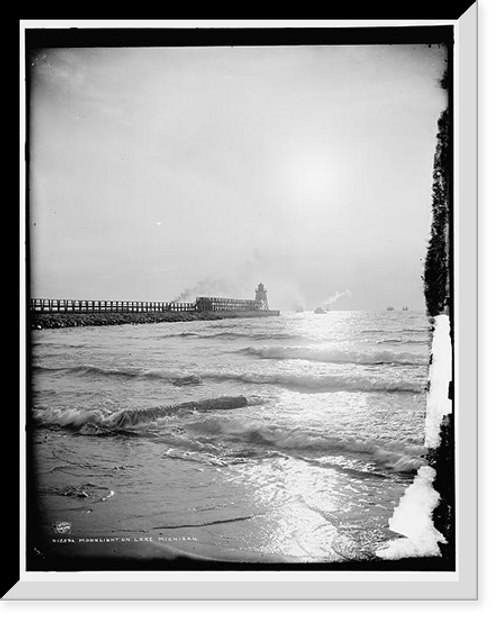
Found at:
[146, 553]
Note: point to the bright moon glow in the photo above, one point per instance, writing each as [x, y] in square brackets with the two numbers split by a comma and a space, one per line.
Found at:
[313, 179]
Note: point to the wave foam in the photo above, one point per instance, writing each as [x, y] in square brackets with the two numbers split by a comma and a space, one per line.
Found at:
[235, 335]
[69, 418]
[134, 417]
[298, 382]
[401, 341]
[94, 371]
[320, 384]
[403, 458]
[325, 355]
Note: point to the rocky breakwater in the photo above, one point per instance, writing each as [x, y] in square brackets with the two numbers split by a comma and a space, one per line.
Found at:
[40, 320]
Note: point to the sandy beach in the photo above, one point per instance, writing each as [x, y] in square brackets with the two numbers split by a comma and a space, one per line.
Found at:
[139, 551]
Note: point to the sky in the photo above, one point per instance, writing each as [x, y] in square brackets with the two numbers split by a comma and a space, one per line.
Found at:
[167, 173]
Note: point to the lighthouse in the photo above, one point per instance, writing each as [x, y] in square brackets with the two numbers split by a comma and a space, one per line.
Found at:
[261, 303]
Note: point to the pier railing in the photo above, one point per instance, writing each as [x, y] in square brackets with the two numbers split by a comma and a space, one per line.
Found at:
[60, 305]
[202, 304]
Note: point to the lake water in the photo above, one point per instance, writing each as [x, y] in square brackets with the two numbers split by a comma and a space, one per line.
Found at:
[138, 449]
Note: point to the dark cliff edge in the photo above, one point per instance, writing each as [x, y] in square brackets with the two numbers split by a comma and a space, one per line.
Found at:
[438, 292]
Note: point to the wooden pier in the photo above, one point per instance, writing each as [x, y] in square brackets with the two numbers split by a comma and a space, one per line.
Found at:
[202, 304]
[63, 305]
[65, 312]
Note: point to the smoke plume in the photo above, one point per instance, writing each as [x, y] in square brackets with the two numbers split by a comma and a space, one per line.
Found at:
[329, 303]
[217, 287]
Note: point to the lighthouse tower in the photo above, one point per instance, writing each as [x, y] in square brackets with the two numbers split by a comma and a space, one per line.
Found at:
[261, 298]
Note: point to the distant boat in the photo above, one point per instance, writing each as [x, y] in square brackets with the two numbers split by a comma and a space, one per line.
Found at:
[389, 308]
[319, 310]
[405, 308]
[299, 310]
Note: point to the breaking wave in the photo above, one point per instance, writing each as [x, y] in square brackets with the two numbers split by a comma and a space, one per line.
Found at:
[377, 331]
[304, 382]
[396, 456]
[328, 384]
[337, 356]
[72, 418]
[135, 417]
[94, 371]
[400, 341]
[234, 336]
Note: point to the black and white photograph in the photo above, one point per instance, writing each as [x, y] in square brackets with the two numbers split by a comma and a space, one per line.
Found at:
[241, 300]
